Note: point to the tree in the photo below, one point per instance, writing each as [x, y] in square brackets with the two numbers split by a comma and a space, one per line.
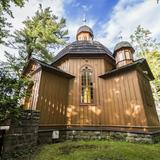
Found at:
[12, 90]
[41, 34]
[3, 24]
[12, 87]
[5, 8]
[147, 47]
[6, 4]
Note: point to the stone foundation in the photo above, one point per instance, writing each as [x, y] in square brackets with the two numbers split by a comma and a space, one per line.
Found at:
[22, 136]
[109, 135]
[45, 136]
[65, 134]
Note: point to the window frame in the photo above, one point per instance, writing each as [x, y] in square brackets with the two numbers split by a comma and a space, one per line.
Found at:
[93, 86]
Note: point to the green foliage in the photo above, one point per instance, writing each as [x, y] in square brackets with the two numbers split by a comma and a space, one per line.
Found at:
[143, 42]
[41, 34]
[12, 87]
[153, 59]
[3, 27]
[98, 150]
[147, 47]
[6, 4]
[12, 90]
[15, 64]
[5, 8]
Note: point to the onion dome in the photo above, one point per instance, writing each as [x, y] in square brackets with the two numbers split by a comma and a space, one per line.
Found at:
[84, 33]
[123, 53]
[123, 44]
[85, 28]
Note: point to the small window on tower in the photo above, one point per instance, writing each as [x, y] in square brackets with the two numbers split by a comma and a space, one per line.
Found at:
[86, 86]
[85, 38]
[120, 55]
[128, 54]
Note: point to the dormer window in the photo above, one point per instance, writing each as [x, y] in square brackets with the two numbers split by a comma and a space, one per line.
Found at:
[86, 86]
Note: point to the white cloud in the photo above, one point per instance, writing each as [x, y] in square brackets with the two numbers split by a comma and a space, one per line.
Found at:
[87, 7]
[28, 10]
[73, 25]
[126, 16]
[31, 7]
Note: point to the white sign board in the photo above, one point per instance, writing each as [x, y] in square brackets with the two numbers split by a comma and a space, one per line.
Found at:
[4, 127]
[55, 135]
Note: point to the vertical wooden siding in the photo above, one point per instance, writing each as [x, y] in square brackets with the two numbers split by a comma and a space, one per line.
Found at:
[148, 100]
[118, 99]
[31, 100]
[122, 100]
[36, 79]
[52, 99]
[78, 114]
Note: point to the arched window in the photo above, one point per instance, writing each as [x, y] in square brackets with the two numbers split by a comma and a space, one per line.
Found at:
[86, 86]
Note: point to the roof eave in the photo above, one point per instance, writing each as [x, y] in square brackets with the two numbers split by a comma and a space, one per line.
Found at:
[85, 55]
[58, 72]
[47, 67]
[139, 63]
[117, 70]
[26, 66]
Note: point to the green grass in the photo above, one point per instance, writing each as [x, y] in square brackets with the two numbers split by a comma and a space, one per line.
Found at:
[98, 150]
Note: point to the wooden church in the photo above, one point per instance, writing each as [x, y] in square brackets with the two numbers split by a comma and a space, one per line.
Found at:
[88, 87]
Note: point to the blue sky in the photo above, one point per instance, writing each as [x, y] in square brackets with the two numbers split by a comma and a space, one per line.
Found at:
[107, 18]
[91, 9]
[94, 9]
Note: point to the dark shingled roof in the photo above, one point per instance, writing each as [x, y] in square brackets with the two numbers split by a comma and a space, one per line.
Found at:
[84, 48]
[123, 44]
[85, 29]
[142, 63]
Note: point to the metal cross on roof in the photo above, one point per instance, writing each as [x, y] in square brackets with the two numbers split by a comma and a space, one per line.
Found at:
[120, 36]
[84, 19]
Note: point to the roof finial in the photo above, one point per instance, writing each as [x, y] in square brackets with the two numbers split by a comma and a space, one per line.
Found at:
[85, 9]
[120, 36]
[84, 19]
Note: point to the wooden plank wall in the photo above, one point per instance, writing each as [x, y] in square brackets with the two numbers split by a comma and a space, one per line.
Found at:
[36, 79]
[85, 114]
[31, 100]
[122, 100]
[148, 100]
[52, 99]
[118, 100]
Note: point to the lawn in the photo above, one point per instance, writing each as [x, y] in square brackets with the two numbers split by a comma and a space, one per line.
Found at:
[98, 150]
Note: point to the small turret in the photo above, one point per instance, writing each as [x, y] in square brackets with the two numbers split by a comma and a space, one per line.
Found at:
[123, 53]
[84, 33]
